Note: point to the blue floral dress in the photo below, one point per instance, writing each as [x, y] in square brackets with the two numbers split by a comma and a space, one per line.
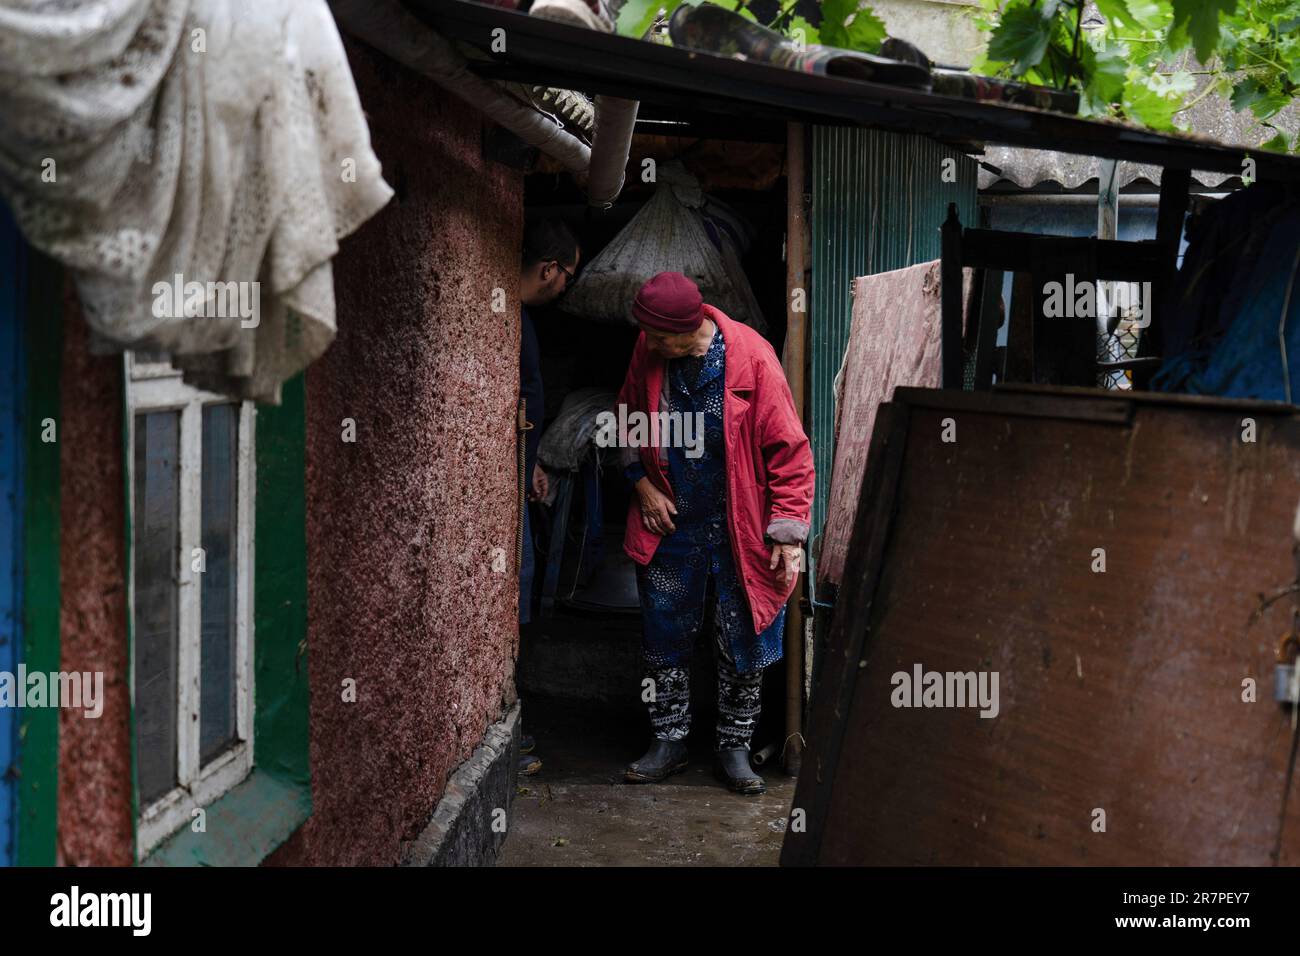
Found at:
[674, 583]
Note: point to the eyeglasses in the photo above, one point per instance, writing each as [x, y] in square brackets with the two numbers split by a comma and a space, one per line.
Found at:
[568, 276]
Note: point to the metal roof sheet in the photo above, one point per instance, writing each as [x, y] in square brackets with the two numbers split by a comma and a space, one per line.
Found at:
[1212, 116]
[541, 51]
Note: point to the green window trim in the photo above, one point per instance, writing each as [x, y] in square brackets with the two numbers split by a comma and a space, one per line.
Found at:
[38, 727]
[241, 827]
[247, 823]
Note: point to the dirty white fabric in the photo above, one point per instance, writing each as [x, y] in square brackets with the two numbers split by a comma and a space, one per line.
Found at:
[215, 140]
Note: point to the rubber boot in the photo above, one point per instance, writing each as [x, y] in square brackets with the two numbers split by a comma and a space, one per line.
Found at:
[733, 769]
[663, 759]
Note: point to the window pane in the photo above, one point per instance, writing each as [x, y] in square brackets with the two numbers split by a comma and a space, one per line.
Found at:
[157, 538]
[220, 498]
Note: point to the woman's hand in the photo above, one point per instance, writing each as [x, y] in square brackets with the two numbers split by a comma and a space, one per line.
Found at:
[787, 562]
[541, 484]
[656, 508]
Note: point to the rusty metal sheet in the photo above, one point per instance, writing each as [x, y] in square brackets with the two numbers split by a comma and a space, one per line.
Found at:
[1118, 691]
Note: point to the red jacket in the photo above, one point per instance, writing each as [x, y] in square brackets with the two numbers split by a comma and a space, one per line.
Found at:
[768, 457]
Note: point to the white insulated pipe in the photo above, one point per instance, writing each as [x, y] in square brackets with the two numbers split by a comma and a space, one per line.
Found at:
[611, 144]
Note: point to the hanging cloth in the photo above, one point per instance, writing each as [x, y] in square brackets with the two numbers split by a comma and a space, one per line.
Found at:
[161, 150]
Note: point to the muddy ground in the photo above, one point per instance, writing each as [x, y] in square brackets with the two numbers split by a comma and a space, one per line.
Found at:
[577, 811]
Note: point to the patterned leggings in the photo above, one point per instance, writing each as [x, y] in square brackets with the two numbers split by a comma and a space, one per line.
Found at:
[738, 701]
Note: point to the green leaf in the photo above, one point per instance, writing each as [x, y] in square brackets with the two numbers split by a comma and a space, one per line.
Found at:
[867, 31]
[1269, 105]
[1106, 74]
[981, 65]
[1115, 11]
[810, 34]
[1058, 63]
[637, 15]
[1149, 107]
[1180, 83]
[1151, 14]
[1199, 21]
[1245, 93]
[1277, 144]
[834, 13]
[851, 25]
[1250, 49]
[1021, 38]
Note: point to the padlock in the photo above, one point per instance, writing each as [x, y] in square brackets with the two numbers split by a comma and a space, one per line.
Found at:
[1284, 675]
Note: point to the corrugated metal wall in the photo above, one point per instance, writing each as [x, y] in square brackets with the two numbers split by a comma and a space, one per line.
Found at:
[878, 200]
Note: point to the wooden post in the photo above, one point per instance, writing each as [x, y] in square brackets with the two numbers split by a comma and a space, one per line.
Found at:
[1108, 200]
[950, 289]
[793, 359]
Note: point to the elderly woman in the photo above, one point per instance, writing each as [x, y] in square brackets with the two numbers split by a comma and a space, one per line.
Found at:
[730, 514]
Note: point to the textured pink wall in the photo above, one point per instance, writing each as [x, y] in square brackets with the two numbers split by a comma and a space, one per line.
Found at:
[94, 754]
[401, 525]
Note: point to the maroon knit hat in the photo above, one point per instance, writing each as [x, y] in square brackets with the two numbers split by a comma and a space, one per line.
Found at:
[669, 302]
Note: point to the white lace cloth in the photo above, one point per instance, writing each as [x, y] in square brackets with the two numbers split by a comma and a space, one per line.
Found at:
[215, 140]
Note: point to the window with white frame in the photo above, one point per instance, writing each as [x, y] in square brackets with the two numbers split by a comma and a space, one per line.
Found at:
[190, 471]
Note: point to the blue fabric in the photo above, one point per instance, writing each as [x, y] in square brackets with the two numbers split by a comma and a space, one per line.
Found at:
[526, 565]
[1223, 337]
[674, 584]
[13, 362]
[530, 390]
